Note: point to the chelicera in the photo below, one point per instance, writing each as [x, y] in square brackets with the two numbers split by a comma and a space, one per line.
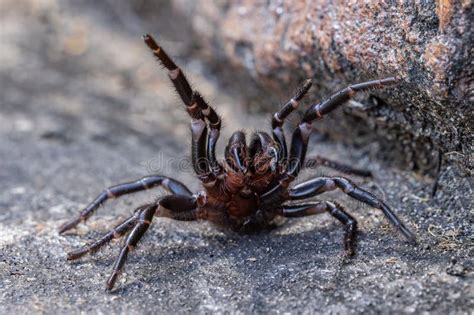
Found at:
[249, 189]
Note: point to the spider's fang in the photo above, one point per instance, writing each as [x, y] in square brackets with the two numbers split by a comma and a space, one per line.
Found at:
[235, 152]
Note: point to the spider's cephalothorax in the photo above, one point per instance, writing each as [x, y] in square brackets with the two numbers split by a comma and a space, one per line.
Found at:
[252, 187]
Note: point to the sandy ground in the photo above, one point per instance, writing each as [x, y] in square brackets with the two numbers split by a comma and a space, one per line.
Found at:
[84, 106]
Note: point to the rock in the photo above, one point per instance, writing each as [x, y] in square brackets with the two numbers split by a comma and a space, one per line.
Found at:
[428, 44]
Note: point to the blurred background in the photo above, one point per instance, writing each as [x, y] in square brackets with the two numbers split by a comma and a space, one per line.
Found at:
[84, 105]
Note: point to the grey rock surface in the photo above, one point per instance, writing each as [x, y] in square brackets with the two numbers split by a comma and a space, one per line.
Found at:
[83, 106]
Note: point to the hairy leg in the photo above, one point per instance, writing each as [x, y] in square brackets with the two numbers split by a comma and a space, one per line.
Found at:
[142, 225]
[204, 159]
[316, 161]
[434, 188]
[144, 183]
[280, 116]
[177, 207]
[320, 185]
[299, 141]
[335, 210]
[118, 231]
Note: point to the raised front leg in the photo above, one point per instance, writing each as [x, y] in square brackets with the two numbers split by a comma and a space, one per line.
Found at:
[300, 138]
[320, 185]
[204, 158]
[147, 182]
[336, 210]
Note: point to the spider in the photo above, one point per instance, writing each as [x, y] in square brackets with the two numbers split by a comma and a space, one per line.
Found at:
[249, 189]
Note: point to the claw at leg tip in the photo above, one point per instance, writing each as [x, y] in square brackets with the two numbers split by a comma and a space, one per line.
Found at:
[412, 240]
[71, 224]
[63, 228]
[111, 282]
[71, 256]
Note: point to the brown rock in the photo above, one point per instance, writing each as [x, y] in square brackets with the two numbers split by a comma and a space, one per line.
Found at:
[428, 44]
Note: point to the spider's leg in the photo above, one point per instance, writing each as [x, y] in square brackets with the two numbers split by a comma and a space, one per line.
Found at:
[336, 210]
[279, 118]
[116, 232]
[299, 141]
[316, 161]
[437, 175]
[177, 207]
[143, 222]
[147, 182]
[319, 185]
[204, 159]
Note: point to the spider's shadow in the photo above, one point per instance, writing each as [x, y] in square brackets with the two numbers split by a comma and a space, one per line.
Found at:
[255, 256]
